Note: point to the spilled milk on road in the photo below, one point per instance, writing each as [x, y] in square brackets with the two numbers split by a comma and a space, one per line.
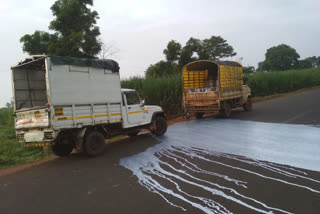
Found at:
[204, 163]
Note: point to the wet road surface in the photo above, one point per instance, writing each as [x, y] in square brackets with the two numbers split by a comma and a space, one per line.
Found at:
[204, 166]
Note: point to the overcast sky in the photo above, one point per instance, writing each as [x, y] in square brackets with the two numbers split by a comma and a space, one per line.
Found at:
[141, 29]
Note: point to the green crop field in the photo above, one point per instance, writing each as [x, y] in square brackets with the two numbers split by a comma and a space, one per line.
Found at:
[268, 83]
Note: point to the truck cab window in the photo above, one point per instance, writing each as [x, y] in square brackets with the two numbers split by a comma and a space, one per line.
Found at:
[132, 98]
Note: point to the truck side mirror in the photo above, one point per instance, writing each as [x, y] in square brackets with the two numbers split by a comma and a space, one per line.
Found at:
[142, 103]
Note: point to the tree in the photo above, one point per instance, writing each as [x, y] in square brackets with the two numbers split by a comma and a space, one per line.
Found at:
[216, 48]
[161, 68]
[260, 67]
[314, 61]
[280, 58]
[305, 63]
[173, 51]
[107, 50]
[38, 42]
[190, 52]
[9, 104]
[248, 70]
[76, 33]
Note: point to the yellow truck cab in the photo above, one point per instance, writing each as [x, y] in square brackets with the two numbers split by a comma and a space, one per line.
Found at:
[214, 87]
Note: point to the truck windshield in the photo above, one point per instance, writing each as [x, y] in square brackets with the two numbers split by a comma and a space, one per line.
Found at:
[132, 98]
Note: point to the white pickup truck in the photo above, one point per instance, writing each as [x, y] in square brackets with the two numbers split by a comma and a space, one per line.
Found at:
[76, 103]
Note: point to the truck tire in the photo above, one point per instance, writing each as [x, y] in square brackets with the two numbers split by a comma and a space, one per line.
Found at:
[63, 146]
[160, 124]
[94, 144]
[133, 133]
[248, 105]
[199, 115]
[226, 110]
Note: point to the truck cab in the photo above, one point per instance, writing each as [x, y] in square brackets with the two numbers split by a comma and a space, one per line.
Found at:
[135, 111]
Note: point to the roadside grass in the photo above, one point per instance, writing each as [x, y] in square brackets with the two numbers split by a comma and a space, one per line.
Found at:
[12, 152]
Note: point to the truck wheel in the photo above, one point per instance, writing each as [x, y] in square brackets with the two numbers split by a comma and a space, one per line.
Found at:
[248, 105]
[160, 126]
[94, 144]
[226, 110]
[133, 133]
[63, 146]
[199, 115]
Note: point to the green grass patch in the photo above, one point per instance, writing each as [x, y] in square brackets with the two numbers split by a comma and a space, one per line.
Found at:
[12, 152]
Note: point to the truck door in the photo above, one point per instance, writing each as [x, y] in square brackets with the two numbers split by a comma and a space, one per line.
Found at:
[134, 109]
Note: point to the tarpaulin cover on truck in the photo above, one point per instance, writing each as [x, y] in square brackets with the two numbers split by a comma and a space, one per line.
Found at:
[37, 62]
[97, 63]
[200, 64]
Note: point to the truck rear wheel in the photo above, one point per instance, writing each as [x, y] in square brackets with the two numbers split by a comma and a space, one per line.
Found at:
[248, 105]
[160, 126]
[226, 110]
[199, 115]
[63, 146]
[94, 144]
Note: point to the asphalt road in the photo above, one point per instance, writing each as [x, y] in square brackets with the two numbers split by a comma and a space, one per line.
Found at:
[256, 162]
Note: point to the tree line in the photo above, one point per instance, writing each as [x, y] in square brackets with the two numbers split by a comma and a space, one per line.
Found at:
[277, 58]
[283, 57]
[213, 48]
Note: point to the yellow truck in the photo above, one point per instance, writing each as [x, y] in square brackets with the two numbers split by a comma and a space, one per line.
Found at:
[214, 87]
